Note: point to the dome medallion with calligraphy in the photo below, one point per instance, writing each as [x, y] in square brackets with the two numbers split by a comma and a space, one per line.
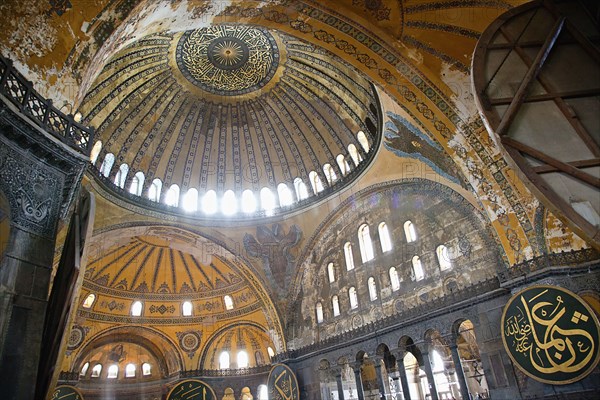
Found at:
[228, 60]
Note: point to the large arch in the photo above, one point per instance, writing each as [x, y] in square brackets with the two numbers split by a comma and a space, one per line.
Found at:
[159, 345]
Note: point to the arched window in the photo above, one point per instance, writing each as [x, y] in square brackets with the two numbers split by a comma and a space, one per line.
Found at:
[187, 308]
[364, 241]
[89, 301]
[228, 302]
[417, 268]
[331, 272]
[107, 164]
[353, 298]
[372, 289]
[229, 204]
[362, 139]
[285, 195]
[96, 370]
[301, 192]
[267, 200]
[394, 280]
[329, 173]
[224, 360]
[172, 196]
[209, 202]
[384, 237]
[95, 152]
[271, 352]
[242, 359]
[263, 392]
[146, 369]
[335, 303]
[409, 232]
[137, 184]
[190, 200]
[130, 370]
[259, 358]
[84, 369]
[354, 154]
[154, 190]
[136, 308]
[113, 371]
[315, 182]
[343, 164]
[349, 257]
[443, 257]
[319, 310]
[121, 175]
[248, 201]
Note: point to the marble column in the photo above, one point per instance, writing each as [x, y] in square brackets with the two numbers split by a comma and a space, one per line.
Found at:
[464, 389]
[357, 378]
[340, 386]
[430, 379]
[380, 382]
[403, 378]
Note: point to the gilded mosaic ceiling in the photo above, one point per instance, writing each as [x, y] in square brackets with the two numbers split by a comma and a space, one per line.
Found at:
[228, 107]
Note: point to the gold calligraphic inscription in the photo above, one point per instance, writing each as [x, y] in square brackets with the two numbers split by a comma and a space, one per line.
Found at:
[192, 389]
[282, 383]
[228, 59]
[66, 392]
[551, 334]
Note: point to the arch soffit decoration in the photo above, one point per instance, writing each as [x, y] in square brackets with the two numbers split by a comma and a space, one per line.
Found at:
[190, 241]
[422, 93]
[158, 344]
[348, 203]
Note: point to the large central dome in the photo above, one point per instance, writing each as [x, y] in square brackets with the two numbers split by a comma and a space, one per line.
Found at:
[230, 108]
[228, 59]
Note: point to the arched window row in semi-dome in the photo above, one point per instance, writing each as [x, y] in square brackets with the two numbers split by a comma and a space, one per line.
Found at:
[229, 204]
[112, 372]
[242, 359]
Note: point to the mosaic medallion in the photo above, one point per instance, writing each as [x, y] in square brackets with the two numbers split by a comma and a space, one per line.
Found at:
[76, 337]
[551, 334]
[189, 341]
[228, 60]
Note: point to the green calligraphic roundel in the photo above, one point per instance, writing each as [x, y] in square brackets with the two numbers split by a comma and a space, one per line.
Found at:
[551, 334]
[282, 383]
[192, 389]
[66, 392]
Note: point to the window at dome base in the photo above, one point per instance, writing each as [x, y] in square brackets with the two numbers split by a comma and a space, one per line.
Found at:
[209, 202]
[146, 369]
[154, 190]
[229, 203]
[301, 191]
[172, 196]
[248, 201]
[190, 201]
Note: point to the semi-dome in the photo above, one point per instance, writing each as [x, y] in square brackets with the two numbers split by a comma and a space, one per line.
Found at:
[216, 111]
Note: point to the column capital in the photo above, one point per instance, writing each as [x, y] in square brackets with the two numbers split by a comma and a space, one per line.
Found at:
[355, 365]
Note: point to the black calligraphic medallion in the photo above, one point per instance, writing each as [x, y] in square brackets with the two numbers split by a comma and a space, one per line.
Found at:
[66, 392]
[551, 334]
[282, 383]
[192, 389]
